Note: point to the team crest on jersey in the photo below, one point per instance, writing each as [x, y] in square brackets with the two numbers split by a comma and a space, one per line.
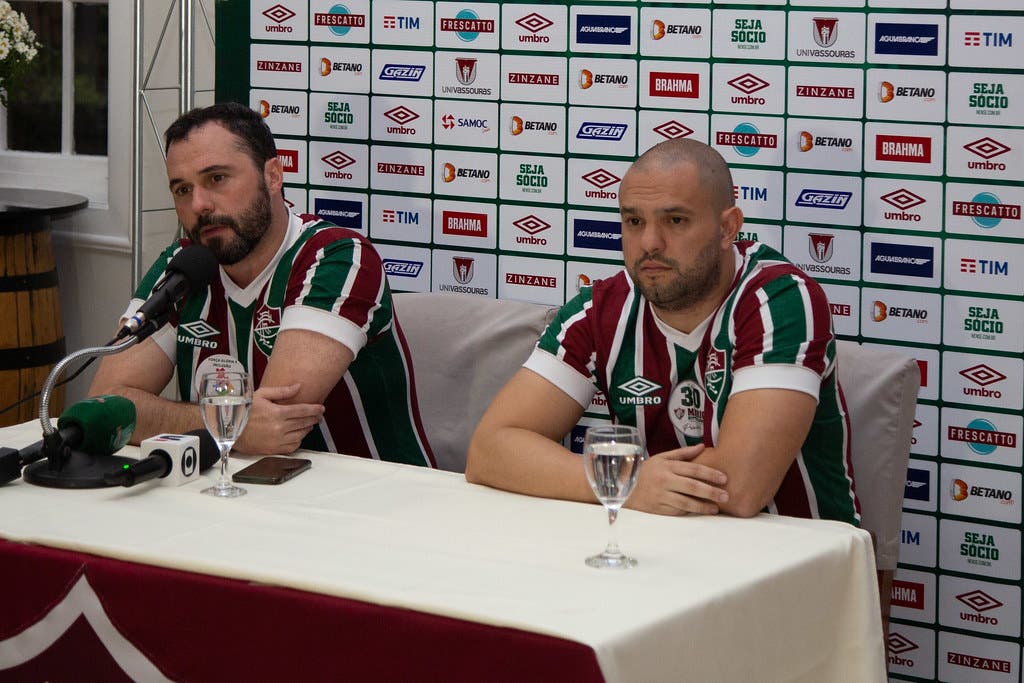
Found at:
[265, 327]
[686, 410]
[714, 373]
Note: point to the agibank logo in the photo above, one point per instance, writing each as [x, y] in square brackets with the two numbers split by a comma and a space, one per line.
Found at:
[601, 29]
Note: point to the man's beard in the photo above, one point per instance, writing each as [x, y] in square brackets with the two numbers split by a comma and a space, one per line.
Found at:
[249, 229]
[689, 288]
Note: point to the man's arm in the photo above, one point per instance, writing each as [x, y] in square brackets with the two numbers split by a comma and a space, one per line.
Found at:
[516, 447]
[303, 369]
[140, 374]
[761, 434]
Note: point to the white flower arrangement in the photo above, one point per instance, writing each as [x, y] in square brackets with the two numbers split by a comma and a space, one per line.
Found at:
[18, 47]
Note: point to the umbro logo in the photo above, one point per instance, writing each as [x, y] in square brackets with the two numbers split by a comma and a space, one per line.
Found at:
[640, 390]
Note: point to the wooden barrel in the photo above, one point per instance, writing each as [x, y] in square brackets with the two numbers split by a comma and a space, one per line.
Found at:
[31, 333]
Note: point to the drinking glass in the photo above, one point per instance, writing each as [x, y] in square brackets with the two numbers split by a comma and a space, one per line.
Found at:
[611, 459]
[224, 400]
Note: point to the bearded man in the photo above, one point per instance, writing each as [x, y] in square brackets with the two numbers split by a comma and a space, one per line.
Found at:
[720, 352]
[302, 305]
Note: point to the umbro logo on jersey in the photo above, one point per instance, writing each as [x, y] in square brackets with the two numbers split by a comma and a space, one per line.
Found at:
[195, 333]
[640, 390]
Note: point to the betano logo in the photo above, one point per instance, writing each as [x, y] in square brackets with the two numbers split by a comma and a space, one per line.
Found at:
[327, 67]
[589, 79]
[659, 29]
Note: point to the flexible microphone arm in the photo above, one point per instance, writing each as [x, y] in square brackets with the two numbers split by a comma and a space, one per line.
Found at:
[44, 398]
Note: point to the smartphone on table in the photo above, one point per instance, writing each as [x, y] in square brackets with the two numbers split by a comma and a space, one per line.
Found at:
[272, 469]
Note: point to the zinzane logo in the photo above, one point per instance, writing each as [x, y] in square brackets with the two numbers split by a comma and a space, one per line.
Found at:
[639, 390]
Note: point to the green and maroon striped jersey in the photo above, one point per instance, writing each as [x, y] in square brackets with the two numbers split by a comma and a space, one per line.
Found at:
[325, 279]
[772, 330]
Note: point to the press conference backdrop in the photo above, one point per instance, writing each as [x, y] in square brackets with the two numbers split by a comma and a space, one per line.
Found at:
[878, 143]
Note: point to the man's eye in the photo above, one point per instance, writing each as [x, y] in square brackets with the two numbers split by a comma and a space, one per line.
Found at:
[181, 191]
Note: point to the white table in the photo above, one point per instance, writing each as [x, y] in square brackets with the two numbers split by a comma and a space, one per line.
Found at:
[713, 598]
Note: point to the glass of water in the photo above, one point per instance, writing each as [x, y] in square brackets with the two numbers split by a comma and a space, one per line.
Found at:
[611, 459]
[224, 400]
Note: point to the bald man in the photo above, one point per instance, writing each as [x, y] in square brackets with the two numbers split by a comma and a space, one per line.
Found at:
[720, 352]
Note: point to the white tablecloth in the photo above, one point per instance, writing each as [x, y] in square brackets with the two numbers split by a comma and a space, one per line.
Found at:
[713, 598]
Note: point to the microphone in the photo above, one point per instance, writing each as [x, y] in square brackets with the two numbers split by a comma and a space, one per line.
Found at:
[191, 269]
[176, 458]
[87, 433]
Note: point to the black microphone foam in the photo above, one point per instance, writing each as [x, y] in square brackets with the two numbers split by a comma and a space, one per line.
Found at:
[191, 269]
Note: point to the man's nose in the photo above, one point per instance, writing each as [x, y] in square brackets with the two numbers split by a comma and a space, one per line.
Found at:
[202, 202]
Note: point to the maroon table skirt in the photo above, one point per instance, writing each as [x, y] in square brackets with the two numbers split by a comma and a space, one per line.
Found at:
[195, 627]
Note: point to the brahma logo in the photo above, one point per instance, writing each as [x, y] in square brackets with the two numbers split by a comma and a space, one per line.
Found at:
[746, 139]
[591, 130]
[670, 84]
[402, 268]
[639, 390]
[340, 20]
[531, 225]
[902, 199]
[534, 23]
[602, 29]
[467, 25]
[289, 159]
[986, 210]
[823, 199]
[907, 594]
[672, 130]
[825, 30]
[921, 40]
[464, 223]
[903, 148]
[402, 72]
[981, 436]
[987, 148]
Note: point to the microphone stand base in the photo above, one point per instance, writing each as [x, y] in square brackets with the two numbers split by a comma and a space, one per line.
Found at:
[81, 471]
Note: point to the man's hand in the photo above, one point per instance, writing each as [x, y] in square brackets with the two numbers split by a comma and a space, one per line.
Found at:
[276, 427]
[669, 484]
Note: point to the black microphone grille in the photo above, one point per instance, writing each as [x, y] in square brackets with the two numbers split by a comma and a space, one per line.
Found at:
[197, 264]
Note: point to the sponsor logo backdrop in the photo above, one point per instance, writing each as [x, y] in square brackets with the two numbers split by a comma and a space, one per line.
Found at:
[878, 143]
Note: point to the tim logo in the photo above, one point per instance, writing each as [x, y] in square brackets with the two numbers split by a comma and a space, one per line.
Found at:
[987, 39]
[919, 485]
[977, 266]
[820, 246]
[825, 30]
[462, 269]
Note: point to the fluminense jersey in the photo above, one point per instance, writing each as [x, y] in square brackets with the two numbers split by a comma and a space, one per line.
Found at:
[772, 330]
[325, 279]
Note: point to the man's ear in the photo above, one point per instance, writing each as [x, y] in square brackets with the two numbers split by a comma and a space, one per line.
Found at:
[273, 175]
[732, 222]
